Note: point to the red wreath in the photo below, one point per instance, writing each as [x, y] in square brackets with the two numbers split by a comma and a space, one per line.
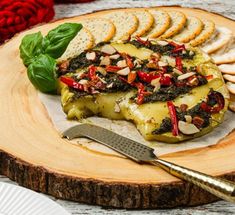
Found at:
[17, 15]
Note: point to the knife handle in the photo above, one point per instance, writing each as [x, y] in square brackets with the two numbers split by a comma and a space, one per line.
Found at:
[219, 187]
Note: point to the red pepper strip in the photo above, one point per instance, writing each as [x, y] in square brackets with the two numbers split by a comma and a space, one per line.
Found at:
[92, 72]
[71, 83]
[220, 103]
[165, 80]
[144, 42]
[128, 60]
[112, 68]
[141, 93]
[140, 96]
[177, 47]
[209, 77]
[173, 116]
[178, 62]
[147, 77]
[126, 81]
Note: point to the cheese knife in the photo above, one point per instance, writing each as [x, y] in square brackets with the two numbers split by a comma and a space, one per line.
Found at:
[140, 153]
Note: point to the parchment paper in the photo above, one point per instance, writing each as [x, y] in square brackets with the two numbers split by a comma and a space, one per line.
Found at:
[58, 117]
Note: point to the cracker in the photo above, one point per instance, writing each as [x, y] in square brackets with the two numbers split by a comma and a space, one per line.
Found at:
[230, 78]
[178, 20]
[232, 103]
[102, 29]
[227, 68]
[223, 36]
[146, 21]
[231, 87]
[192, 29]
[161, 23]
[125, 23]
[228, 57]
[83, 41]
[208, 30]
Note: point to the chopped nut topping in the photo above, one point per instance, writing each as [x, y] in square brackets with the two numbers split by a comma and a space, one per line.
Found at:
[108, 49]
[90, 55]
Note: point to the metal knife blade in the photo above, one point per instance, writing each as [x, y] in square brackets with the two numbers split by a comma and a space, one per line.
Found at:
[141, 153]
[130, 148]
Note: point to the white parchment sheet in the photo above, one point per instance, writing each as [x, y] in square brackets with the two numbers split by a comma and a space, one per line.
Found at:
[58, 117]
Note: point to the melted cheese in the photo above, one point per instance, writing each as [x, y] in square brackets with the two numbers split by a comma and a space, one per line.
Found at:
[147, 117]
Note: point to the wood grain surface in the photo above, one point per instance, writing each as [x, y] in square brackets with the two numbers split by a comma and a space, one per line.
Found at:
[40, 185]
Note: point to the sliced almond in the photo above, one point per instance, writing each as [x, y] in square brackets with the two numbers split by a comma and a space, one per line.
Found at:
[162, 42]
[137, 62]
[230, 78]
[169, 60]
[178, 72]
[156, 83]
[108, 49]
[109, 85]
[105, 61]
[124, 71]
[83, 81]
[90, 55]
[161, 63]
[186, 75]
[188, 118]
[115, 56]
[191, 53]
[102, 80]
[101, 70]
[193, 82]
[121, 63]
[187, 128]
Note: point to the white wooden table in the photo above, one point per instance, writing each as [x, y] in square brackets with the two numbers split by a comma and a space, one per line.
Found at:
[224, 7]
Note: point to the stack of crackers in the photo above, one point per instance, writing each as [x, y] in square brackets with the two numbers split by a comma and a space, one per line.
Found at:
[115, 25]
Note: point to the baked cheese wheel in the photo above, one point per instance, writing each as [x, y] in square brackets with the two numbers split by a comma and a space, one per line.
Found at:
[171, 93]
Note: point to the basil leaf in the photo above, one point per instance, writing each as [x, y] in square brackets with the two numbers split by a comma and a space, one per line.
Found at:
[31, 46]
[41, 73]
[57, 40]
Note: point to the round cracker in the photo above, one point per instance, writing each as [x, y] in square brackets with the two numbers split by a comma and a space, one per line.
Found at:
[146, 21]
[227, 68]
[230, 78]
[178, 20]
[208, 30]
[83, 41]
[161, 23]
[231, 87]
[102, 29]
[192, 29]
[126, 23]
[232, 103]
[228, 57]
[224, 35]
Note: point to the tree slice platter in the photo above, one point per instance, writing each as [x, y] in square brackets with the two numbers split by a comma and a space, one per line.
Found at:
[33, 154]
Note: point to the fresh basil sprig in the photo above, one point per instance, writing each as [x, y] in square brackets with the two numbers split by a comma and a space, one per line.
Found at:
[39, 54]
[41, 73]
[57, 40]
[31, 46]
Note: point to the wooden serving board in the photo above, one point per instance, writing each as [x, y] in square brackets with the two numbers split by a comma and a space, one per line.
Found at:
[33, 154]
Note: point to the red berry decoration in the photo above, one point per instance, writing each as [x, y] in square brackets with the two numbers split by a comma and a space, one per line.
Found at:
[17, 15]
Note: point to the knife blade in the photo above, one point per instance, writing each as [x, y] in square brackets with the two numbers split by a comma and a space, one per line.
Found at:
[129, 148]
[138, 152]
